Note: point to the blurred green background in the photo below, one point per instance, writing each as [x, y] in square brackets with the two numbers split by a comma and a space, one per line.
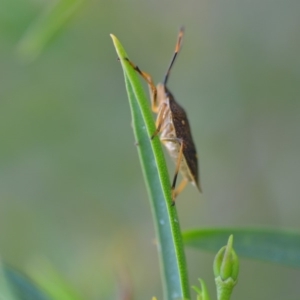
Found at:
[71, 188]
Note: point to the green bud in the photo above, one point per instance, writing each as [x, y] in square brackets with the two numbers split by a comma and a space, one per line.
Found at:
[226, 269]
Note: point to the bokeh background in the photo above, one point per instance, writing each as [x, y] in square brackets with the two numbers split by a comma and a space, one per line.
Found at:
[71, 188]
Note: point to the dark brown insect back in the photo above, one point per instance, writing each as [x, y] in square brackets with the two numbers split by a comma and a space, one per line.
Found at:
[173, 126]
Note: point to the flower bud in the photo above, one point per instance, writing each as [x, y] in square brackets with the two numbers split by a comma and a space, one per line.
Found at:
[226, 269]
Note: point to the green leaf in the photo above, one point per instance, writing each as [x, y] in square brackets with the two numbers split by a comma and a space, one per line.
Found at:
[21, 287]
[202, 292]
[5, 288]
[47, 277]
[170, 247]
[277, 246]
[47, 24]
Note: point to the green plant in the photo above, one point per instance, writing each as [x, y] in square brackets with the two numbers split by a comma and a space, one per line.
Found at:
[277, 246]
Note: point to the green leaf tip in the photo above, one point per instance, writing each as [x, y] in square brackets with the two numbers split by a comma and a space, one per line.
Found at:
[113, 37]
[226, 269]
[120, 50]
[202, 292]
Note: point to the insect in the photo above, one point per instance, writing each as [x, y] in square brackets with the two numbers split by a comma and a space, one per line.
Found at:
[173, 126]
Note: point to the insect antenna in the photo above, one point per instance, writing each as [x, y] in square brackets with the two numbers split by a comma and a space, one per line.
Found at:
[177, 48]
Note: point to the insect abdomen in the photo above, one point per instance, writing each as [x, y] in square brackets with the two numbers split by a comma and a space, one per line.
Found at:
[172, 142]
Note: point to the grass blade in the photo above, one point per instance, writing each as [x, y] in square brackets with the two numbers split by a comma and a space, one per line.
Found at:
[48, 277]
[170, 247]
[47, 24]
[21, 286]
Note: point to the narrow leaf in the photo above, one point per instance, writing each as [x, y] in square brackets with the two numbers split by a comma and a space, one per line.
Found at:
[22, 287]
[47, 277]
[45, 26]
[277, 246]
[170, 247]
[6, 291]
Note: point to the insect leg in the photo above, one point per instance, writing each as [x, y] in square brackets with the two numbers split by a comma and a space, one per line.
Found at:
[179, 159]
[159, 120]
[176, 171]
[152, 87]
[180, 188]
